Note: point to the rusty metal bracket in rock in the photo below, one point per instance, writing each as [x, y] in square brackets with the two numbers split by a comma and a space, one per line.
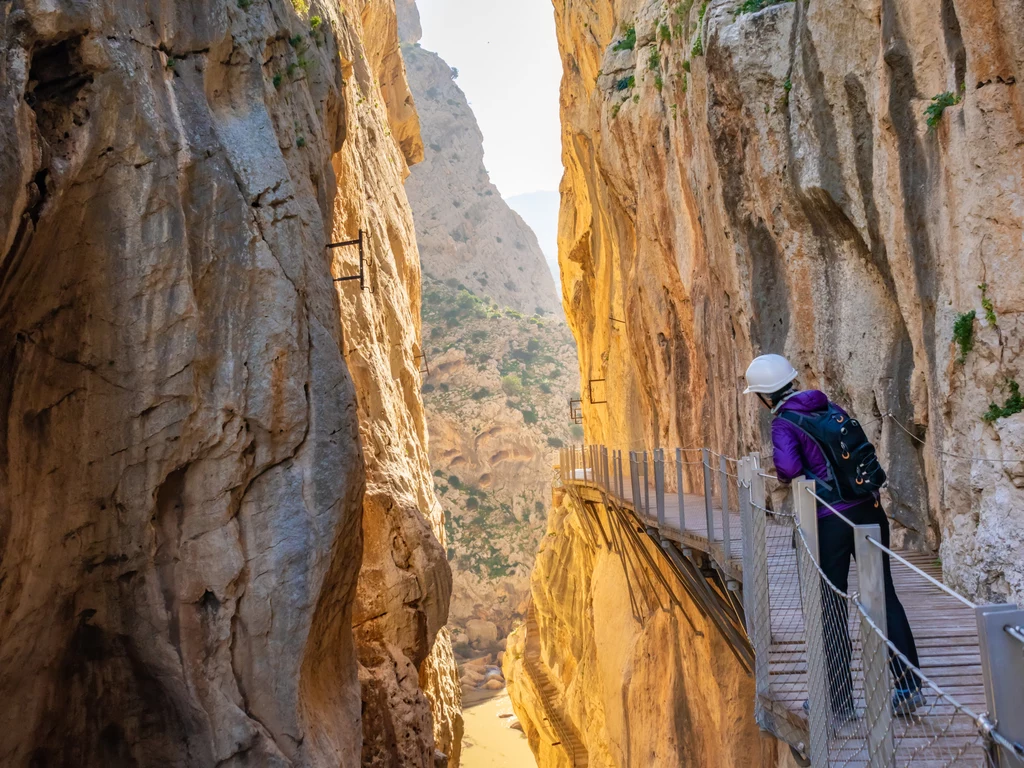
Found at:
[361, 277]
[576, 410]
[615, 320]
[425, 370]
[590, 392]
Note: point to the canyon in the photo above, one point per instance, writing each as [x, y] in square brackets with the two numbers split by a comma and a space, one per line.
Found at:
[283, 378]
[836, 182]
[499, 362]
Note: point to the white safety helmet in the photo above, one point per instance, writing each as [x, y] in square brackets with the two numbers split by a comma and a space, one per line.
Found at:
[768, 374]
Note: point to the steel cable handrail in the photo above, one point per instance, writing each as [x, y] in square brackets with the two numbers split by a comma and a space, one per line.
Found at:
[892, 554]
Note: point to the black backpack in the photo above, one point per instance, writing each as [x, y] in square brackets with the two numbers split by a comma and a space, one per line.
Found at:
[853, 464]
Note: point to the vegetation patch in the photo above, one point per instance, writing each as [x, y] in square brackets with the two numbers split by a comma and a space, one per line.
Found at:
[963, 333]
[1014, 404]
[987, 305]
[933, 112]
[654, 60]
[753, 6]
[625, 83]
[628, 41]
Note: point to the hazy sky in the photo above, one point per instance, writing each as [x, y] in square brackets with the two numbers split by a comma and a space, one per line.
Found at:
[508, 64]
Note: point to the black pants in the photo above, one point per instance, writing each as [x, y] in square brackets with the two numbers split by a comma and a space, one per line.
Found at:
[835, 544]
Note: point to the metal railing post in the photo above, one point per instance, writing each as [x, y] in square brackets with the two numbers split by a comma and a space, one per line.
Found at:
[1002, 665]
[708, 503]
[874, 652]
[659, 485]
[810, 594]
[583, 461]
[647, 488]
[634, 480]
[602, 453]
[723, 470]
[622, 482]
[755, 582]
[679, 489]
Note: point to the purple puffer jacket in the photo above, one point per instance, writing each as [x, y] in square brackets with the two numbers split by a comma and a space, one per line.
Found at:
[795, 452]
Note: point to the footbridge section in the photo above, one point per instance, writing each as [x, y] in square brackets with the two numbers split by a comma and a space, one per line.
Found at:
[828, 680]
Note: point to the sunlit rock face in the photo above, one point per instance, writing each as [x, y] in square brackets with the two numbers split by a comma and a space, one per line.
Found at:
[502, 363]
[745, 182]
[640, 675]
[768, 182]
[186, 396]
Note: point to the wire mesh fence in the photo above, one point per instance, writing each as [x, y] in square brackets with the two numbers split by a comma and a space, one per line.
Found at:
[830, 682]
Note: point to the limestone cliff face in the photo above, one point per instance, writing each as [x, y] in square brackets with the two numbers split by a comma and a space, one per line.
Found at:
[755, 177]
[742, 182]
[501, 359]
[187, 398]
[610, 643]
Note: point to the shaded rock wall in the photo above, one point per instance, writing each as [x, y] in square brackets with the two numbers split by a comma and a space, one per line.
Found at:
[739, 183]
[186, 397]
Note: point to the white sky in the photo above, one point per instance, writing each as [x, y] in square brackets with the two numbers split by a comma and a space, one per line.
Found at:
[507, 57]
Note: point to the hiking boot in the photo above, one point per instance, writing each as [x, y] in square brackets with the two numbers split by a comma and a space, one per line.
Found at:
[905, 702]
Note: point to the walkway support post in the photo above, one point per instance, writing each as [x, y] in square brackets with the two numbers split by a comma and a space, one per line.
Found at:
[806, 509]
[659, 485]
[1002, 664]
[875, 652]
[708, 508]
[679, 489]
[723, 471]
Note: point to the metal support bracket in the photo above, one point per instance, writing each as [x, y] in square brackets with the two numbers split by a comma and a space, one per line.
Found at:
[576, 410]
[361, 277]
[590, 392]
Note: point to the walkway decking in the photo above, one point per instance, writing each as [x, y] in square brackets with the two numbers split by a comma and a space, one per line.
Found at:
[945, 631]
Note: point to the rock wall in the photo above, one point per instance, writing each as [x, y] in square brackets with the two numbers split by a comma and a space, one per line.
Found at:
[756, 177]
[741, 181]
[637, 671]
[500, 356]
[192, 408]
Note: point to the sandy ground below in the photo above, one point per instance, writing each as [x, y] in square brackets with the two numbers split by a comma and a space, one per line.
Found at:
[489, 742]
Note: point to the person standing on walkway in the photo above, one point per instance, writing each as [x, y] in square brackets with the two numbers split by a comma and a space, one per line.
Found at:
[816, 439]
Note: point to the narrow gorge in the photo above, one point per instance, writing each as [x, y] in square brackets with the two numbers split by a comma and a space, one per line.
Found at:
[284, 380]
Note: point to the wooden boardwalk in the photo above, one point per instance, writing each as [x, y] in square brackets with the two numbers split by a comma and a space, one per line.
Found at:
[945, 631]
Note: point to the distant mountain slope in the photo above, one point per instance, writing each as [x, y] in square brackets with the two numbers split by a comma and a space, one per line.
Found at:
[540, 211]
[465, 229]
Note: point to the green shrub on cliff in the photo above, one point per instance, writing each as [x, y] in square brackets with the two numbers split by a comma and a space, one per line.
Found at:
[939, 103]
[988, 306]
[963, 333]
[753, 6]
[1014, 404]
[628, 42]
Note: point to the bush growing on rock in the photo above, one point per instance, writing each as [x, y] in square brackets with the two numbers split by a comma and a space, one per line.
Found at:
[963, 333]
[628, 42]
[933, 112]
[1014, 404]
